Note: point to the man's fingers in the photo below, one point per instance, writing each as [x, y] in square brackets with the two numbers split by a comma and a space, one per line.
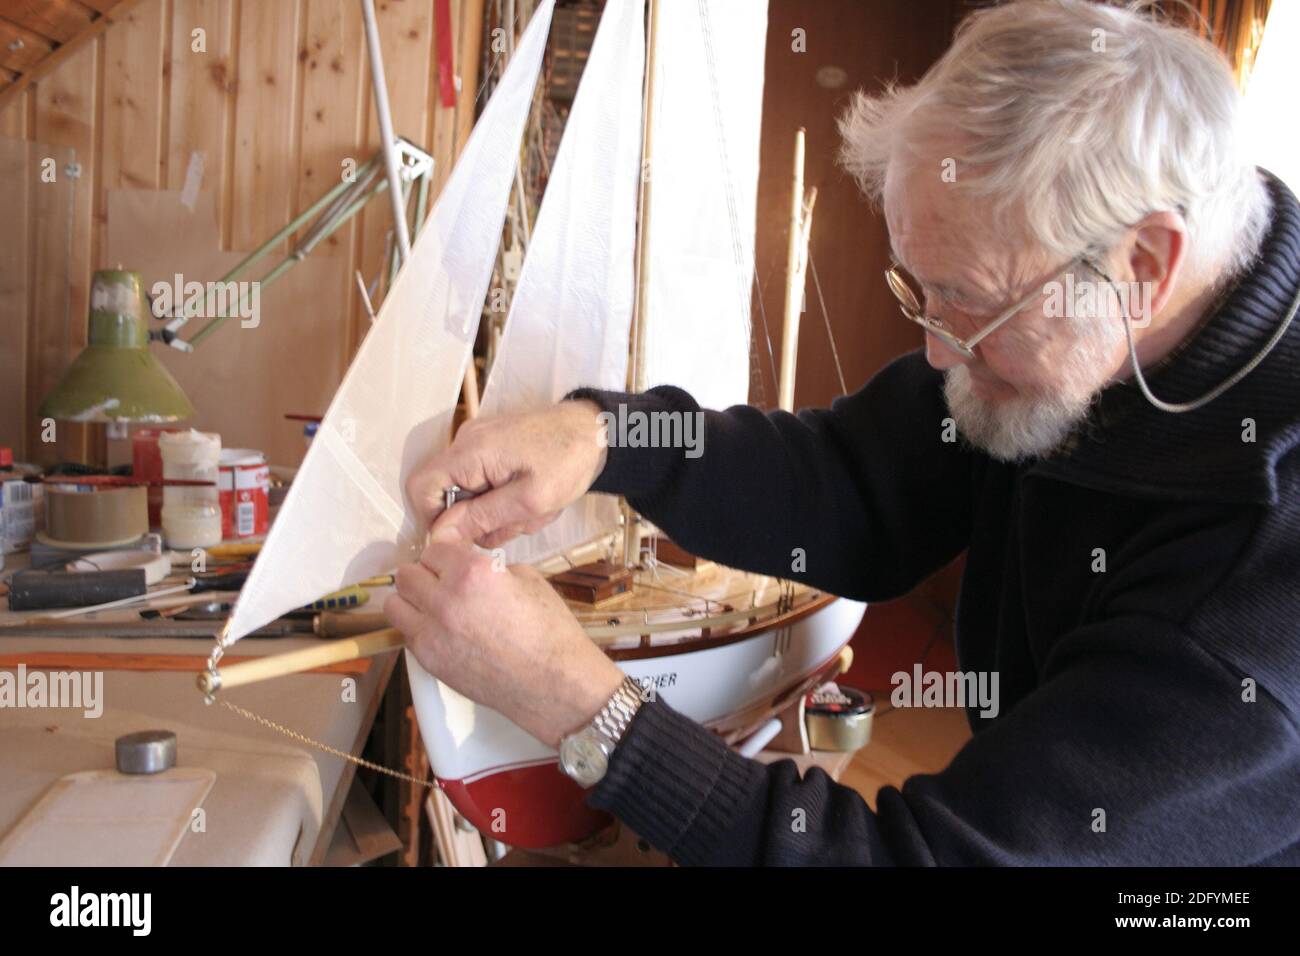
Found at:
[485, 514]
[453, 466]
[500, 536]
[446, 560]
[402, 614]
[418, 585]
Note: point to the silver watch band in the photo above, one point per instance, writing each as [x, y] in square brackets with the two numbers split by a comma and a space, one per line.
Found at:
[616, 716]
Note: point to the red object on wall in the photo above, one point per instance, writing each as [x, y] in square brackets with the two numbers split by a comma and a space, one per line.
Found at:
[446, 76]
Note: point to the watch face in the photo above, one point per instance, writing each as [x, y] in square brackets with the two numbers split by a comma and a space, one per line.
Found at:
[583, 759]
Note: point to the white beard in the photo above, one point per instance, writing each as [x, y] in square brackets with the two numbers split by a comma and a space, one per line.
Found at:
[1031, 426]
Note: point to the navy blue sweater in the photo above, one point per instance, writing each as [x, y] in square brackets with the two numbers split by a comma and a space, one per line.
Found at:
[1164, 690]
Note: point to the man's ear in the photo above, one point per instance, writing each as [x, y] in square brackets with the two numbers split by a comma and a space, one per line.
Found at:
[1157, 253]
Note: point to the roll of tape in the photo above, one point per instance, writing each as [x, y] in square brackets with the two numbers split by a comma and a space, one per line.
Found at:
[839, 717]
[95, 519]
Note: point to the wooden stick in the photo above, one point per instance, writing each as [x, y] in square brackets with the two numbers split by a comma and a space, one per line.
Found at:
[278, 665]
[117, 661]
[793, 284]
[467, 59]
[637, 335]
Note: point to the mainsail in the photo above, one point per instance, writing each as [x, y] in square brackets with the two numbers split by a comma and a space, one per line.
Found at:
[345, 517]
[572, 310]
[706, 126]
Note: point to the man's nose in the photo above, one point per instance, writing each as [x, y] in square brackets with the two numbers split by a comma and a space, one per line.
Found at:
[941, 355]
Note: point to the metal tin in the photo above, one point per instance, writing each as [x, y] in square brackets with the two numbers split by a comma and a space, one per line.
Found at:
[149, 751]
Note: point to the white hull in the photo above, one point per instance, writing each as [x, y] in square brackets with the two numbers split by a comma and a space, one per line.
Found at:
[732, 686]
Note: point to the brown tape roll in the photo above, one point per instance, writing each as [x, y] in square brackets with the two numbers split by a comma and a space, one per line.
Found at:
[95, 519]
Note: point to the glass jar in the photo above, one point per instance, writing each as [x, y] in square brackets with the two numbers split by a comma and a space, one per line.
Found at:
[191, 515]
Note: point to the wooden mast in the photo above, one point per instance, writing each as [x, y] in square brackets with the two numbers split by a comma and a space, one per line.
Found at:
[796, 261]
[636, 360]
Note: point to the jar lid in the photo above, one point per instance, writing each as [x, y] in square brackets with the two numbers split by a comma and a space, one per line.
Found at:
[242, 456]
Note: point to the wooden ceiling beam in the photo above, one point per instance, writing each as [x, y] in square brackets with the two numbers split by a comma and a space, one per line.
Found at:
[51, 60]
[56, 20]
[20, 48]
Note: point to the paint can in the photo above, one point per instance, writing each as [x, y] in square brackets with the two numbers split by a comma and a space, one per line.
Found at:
[245, 484]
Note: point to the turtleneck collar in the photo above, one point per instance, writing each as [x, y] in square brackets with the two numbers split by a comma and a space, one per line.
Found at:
[1130, 447]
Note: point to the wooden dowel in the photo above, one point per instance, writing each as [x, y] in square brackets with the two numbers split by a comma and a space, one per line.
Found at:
[293, 662]
[793, 284]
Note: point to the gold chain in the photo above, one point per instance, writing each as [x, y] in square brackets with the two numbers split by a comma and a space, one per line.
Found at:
[360, 762]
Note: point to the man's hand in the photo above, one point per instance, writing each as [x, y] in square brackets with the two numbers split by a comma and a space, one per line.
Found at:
[526, 467]
[501, 637]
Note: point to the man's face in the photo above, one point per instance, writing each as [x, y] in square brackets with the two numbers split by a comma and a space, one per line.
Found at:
[1031, 381]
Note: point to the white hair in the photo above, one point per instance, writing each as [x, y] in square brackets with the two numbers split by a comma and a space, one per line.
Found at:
[1076, 119]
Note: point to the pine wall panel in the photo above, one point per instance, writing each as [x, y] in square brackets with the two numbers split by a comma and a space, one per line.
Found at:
[260, 107]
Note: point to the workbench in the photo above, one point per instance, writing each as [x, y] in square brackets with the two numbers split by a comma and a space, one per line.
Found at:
[276, 801]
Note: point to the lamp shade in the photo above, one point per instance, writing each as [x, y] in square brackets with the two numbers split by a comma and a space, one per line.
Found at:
[116, 377]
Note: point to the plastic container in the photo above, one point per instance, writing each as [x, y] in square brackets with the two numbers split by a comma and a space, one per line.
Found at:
[146, 463]
[191, 516]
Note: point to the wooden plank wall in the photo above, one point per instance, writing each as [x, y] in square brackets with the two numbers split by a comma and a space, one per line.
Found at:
[274, 101]
[870, 42]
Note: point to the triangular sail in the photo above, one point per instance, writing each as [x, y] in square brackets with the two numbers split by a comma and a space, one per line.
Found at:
[569, 320]
[345, 517]
[704, 169]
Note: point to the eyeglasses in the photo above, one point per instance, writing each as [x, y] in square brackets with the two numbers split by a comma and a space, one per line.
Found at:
[910, 296]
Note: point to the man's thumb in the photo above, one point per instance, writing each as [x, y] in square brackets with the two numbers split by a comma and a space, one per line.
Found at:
[483, 514]
[445, 531]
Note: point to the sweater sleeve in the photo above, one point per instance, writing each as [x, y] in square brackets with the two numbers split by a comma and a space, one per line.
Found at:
[859, 499]
[1136, 749]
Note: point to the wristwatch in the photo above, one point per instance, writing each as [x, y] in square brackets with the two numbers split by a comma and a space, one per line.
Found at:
[584, 754]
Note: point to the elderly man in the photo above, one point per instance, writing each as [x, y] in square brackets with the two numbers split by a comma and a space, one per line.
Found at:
[1123, 468]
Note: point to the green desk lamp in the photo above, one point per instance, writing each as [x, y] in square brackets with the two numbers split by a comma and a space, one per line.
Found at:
[116, 378]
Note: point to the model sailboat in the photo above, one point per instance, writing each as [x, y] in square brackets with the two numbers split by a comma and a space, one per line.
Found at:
[634, 252]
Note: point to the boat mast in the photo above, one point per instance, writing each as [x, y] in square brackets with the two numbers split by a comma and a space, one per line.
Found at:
[637, 339]
[796, 264]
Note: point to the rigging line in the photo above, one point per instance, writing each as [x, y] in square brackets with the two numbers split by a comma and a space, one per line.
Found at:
[708, 601]
[830, 335]
[489, 74]
[767, 334]
[733, 216]
[319, 745]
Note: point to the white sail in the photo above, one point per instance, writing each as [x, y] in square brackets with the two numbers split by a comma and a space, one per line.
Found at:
[345, 517]
[572, 310]
[706, 124]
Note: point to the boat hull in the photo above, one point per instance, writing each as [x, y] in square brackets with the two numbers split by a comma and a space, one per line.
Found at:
[508, 785]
